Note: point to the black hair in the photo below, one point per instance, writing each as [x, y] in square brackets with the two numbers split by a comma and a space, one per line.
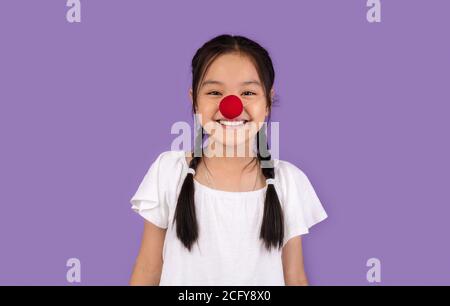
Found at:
[272, 227]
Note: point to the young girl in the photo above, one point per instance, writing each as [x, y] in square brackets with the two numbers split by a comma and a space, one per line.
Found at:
[225, 220]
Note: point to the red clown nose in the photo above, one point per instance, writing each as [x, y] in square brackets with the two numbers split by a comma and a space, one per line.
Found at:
[231, 106]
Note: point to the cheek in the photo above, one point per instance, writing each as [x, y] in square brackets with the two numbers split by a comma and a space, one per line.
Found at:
[207, 109]
[257, 111]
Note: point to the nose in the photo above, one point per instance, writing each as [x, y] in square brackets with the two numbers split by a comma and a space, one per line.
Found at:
[231, 106]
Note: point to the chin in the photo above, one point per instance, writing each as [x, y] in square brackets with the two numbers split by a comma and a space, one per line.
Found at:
[231, 147]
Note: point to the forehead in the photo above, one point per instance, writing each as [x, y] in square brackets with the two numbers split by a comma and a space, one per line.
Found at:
[231, 69]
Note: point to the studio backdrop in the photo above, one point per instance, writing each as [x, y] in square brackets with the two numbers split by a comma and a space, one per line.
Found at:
[90, 92]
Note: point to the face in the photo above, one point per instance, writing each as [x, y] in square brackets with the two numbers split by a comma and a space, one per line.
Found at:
[231, 74]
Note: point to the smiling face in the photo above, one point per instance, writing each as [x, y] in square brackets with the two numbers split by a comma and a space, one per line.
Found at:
[232, 74]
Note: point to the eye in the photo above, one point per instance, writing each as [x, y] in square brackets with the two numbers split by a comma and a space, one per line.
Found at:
[213, 93]
[248, 93]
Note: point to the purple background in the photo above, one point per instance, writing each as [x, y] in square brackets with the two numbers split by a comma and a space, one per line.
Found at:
[85, 108]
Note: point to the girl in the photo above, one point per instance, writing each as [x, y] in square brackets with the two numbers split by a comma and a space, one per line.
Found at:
[225, 220]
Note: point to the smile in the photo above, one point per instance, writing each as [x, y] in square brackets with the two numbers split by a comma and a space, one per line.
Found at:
[227, 123]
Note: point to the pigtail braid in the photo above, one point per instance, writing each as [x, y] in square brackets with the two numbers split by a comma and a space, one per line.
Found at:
[272, 227]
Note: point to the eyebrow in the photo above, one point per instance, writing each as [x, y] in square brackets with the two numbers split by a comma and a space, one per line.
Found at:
[207, 82]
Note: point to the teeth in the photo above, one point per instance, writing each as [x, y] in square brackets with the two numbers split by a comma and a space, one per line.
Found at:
[231, 123]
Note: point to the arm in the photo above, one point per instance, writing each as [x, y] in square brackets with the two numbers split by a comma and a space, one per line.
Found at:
[148, 266]
[293, 269]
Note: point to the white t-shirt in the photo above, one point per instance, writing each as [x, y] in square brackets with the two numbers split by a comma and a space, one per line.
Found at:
[228, 250]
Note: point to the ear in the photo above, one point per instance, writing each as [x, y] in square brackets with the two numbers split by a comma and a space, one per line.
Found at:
[272, 95]
[190, 95]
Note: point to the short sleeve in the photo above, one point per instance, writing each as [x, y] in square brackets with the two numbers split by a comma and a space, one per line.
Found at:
[302, 207]
[149, 200]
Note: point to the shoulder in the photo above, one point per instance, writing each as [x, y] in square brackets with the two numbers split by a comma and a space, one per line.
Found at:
[169, 164]
[171, 158]
[290, 178]
[172, 166]
[163, 175]
[286, 171]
